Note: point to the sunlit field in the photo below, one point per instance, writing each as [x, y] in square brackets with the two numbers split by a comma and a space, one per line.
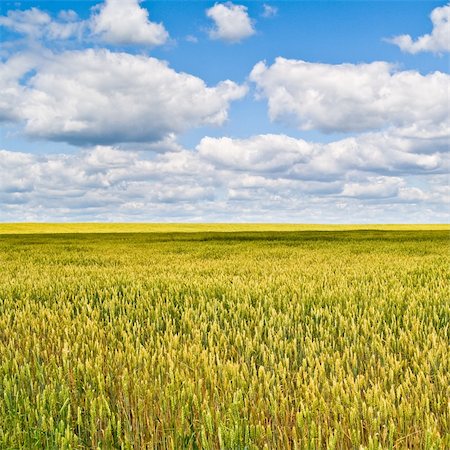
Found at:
[41, 228]
[224, 336]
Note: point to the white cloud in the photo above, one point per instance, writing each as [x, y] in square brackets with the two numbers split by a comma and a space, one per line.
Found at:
[232, 22]
[413, 195]
[268, 152]
[374, 187]
[96, 96]
[285, 173]
[125, 22]
[11, 90]
[31, 21]
[382, 152]
[436, 42]
[68, 15]
[106, 183]
[38, 24]
[351, 97]
[118, 22]
[100, 178]
[12, 180]
[393, 188]
[269, 11]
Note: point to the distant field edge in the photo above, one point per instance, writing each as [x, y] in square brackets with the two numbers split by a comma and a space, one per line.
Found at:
[97, 227]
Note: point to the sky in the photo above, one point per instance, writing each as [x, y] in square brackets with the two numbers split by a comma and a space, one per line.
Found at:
[199, 111]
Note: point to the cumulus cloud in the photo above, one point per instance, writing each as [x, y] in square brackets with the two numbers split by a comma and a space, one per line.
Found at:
[231, 22]
[436, 42]
[101, 97]
[31, 22]
[118, 22]
[106, 183]
[350, 97]
[99, 179]
[382, 152]
[38, 24]
[264, 153]
[12, 92]
[125, 22]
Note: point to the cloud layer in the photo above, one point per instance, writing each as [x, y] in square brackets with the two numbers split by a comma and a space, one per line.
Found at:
[373, 178]
[386, 153]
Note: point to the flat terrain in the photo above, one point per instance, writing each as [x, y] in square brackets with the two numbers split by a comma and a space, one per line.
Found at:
[50, 228]
[215, 336]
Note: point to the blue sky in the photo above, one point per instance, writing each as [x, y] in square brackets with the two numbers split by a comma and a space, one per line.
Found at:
[294, 111]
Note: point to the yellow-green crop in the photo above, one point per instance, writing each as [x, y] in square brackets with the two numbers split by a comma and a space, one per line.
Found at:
[246, 339]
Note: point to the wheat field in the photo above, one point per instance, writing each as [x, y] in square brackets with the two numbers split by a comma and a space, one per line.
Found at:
[230, 337]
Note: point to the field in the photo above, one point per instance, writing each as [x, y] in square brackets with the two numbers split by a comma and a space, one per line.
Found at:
[233, 337]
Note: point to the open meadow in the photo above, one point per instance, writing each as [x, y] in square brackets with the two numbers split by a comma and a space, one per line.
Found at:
[216, 336]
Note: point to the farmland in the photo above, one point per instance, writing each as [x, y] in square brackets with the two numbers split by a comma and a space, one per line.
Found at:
[224, 337]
